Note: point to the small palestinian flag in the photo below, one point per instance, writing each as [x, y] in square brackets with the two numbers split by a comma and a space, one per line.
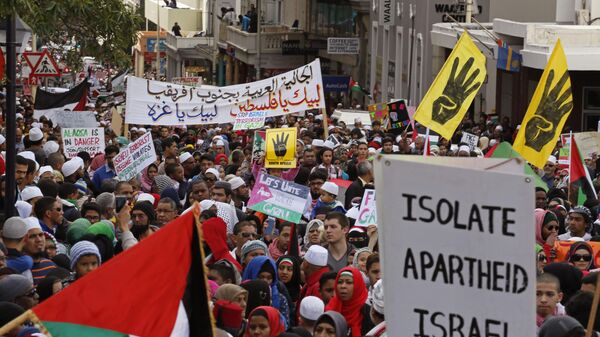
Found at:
[155, 289]
[50, 104]
[354, 86]
[581, 187]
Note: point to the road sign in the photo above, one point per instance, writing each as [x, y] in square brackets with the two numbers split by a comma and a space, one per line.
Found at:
[46, 66]
[32, 58]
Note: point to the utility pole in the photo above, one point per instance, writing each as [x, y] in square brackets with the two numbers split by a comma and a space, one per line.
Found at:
[11, 107]
[258, 34]
[157, 45]
[469, 12]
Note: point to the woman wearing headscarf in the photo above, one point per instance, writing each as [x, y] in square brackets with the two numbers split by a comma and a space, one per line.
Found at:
[264, 268]
[147, 178]
[313, 234]
[360, 262]
[259, 293]
[288, 270]
[331, 323]
[265, 322]
[349, 300]
[215, 236]
[546, 229]
[581, 256]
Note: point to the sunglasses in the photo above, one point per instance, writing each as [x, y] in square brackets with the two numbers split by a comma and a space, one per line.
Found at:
[31, 293]
[552, 228]
[580, 257]
[542, 258]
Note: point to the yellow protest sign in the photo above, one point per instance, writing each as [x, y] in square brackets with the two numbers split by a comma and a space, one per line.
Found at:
[281, 148]
[548, 110]
[454, 88]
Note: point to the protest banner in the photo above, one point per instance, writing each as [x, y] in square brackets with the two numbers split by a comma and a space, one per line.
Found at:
[258, 145]
[470, 139]
[133, 159]
[588, 143]
[75, 140]
[249, 120]
[399, 115]
[443, 247]
[280, 148]
[368, 210]
[279, 198]
[160, 103]
[117, 120]
[380, 112]
[75, 119]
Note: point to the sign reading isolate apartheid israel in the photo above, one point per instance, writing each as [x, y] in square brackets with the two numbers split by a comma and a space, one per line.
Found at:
[444, 239]
[278, 198]
[133, 159]
[160, 103]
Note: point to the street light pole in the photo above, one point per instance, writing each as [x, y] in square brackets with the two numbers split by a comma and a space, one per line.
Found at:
[258, 34]
[157, 45]
[11, 124]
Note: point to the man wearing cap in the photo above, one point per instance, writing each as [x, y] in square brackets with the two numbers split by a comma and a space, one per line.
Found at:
[49, 212]
[377, 313]
[550, 171]
[35, 245]
[240, 192]
[578, 222]
[18, 289]
[311, 307]
[14, 237]
[190, 168]
[314, 266]
[72, 170]
[252, 249]
[36, 137]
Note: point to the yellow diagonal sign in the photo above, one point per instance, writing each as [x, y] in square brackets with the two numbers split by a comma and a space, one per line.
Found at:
[548, 110]
[451, 93]
[281, 148]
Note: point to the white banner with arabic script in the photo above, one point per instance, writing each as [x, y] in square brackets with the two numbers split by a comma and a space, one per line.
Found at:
[160, 103]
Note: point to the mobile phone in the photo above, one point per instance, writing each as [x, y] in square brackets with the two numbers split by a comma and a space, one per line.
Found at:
[270, 226]
[120, 201]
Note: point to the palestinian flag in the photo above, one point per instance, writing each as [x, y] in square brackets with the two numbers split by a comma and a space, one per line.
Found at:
[505, 150]
[354, 86]
[50, 104]
[157, 288]
[581, 187]
[117, 83]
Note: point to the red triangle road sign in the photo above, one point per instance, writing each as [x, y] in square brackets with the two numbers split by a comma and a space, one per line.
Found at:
[46, 66]
[32, 58]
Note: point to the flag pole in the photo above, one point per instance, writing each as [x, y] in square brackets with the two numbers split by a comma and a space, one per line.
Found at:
[36, 320]
[592, 318]
[570, 166]
[325, 124]
[15, 323]
[426, 145]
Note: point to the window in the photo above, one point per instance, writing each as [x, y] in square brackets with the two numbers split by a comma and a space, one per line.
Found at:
[591, 98]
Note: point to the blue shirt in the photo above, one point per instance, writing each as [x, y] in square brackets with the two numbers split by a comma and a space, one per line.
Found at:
[101, 174]
[245, 23]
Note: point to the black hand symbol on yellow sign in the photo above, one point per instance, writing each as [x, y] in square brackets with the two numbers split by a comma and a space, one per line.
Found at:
[456, 91]
[542, 126]
[279, 143]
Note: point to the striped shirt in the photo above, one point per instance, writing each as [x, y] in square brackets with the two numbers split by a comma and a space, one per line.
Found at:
[40, 269]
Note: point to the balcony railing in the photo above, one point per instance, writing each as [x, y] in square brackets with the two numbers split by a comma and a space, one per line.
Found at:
[187, 41]
[271, 38]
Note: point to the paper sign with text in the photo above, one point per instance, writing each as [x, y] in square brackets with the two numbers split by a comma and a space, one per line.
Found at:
[75, 119]
[279, 198]
[133, 159]
[367, 214]
[258, 145]
[280, 148]
[75, 140]
[249, 120]
[470, 139]
[443, 248]
[159, 103]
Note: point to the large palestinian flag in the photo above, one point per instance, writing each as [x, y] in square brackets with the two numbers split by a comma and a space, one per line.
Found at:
[155, 289]
[580, 182]
[505, 150]
[49, 104]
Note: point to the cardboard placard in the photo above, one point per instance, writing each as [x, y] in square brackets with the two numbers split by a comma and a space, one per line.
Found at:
[133, 159]
[279, 198]
[75, 140]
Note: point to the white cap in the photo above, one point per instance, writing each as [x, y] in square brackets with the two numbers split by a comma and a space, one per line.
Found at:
[329, 144]
[37, 125]
[35, 134]
[213, 171]
[236, 183]
[31, 192]
[45, 169]
[377, 298]
[24, 208]
[316, 255]
[51, 147]
[552, 159]
[184, 157]
[499, 128]
[219, 142]
[18, 115]
[32, 223]
[133, 129]
[330, 188]
[464, 148]
[146, 197]
[27, 154]
[200, 142]
[318, 142]
[2, 139]
[142, 130]
[70, 167]
[311, 308]
[80, 161]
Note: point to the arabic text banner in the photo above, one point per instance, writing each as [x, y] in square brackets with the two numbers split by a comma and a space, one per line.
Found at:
[160, 103]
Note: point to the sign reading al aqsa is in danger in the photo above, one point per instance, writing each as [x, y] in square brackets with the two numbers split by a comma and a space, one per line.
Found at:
[75, 140]
[444, 249]
[280, 148]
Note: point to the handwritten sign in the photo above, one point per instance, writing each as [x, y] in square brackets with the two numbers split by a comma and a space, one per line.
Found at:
[470, 139]
[588, 143]
[258, 145]
[281, 148]
[444, 249]
[279, 198]
[367, 214]
[75, 140]
[159, 103]
[249, 120]
[75, 119]
[399, 115]
[135, 157]
[380, 112]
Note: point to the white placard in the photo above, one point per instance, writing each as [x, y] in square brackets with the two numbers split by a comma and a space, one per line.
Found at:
[343, 45]
[455, 255]
[367, 214]
[160, 103]
[470, 139]
[75, 140]
[133, 159]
